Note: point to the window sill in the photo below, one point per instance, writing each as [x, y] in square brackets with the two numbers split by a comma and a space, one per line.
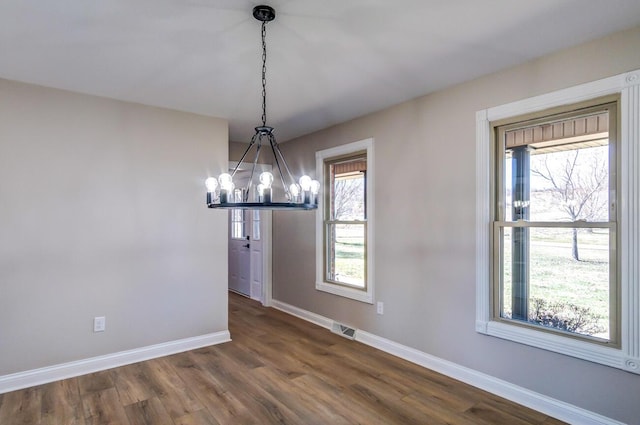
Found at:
[343, 291]
[573, 347]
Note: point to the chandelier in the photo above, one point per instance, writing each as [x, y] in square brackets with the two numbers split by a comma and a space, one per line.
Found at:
[301, 194]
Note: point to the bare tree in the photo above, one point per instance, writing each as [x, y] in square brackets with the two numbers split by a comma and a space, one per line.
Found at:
[578, 184]
[349, 198]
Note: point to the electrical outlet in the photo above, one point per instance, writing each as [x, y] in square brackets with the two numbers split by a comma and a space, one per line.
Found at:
[99, 324]
[380, 307]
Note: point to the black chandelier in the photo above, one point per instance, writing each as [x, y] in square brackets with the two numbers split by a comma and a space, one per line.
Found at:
[298, 195]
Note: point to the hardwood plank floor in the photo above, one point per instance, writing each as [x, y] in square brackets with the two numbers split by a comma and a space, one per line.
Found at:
[277, 370]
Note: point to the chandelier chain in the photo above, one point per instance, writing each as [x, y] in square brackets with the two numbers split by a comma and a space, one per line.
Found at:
[264, 74]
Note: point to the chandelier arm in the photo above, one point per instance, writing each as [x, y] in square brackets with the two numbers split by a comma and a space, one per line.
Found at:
[253, 142]
[284, 161]
[272, 142]
[253, 169]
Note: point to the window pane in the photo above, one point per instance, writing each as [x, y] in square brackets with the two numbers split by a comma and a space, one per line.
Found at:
[552, 174]
[256, 225]
[347, 194]
[237, 224]
[562, 293]
[570, 185]
[346, 253]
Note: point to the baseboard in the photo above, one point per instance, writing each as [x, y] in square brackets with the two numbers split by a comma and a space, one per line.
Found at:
[549, 406]
[302, 314]
[30, 378]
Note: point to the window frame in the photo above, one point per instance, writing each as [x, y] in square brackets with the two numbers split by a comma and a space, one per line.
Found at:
[500, 222]
[626, 355]
[363, 147]
[330, 220]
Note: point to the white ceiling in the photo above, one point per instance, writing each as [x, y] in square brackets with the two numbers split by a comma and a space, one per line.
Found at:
[328, 61]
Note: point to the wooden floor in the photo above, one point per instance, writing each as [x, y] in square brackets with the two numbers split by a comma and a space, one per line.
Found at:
[277, 370]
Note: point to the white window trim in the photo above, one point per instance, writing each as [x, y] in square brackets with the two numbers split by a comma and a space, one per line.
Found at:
[627, 357]
[321, 284]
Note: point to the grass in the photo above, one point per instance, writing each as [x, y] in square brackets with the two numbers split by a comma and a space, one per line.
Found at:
[557, 278]
[349, 254]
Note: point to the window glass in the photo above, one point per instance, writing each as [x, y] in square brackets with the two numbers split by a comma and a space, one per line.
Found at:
[237, 224]
[347, 202]
[563, 294]
[346, 256]
[256, 225]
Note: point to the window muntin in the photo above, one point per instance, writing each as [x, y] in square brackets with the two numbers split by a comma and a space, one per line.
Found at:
[345, 224]
[555, 220]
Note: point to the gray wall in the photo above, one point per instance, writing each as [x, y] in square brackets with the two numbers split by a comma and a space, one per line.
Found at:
[425, 253]
[102, 212]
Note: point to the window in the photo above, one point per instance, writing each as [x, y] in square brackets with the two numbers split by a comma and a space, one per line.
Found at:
[344, 224]
[555, 223]
[558, 236]
[237, 224]
[256, 225]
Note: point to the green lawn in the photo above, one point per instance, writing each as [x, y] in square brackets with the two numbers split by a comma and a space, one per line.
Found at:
[556, 277]
[349, 255]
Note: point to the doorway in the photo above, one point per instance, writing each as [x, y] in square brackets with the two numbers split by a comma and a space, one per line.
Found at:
[249, 247]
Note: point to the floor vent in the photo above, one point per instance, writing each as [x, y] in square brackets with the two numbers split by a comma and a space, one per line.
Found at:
[343, 330]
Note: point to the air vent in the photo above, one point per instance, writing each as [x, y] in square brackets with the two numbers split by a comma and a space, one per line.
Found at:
[345, 331]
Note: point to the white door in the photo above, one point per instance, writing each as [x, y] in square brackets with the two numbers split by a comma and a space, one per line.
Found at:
[239, 252]
[249, 236]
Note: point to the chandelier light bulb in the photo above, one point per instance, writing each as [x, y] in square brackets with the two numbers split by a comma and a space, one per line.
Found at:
[305, 183]
[259, 195]
[226, 182]
[315, 187]
[211, 183]
[266, 179]
[294, 191]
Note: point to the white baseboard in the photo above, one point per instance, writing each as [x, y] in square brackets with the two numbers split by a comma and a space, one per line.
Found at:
[302, 314]
[549, 406]
[30, 378]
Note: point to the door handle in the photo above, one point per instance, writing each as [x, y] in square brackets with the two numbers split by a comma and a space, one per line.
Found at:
[247, 237]
[246, 246]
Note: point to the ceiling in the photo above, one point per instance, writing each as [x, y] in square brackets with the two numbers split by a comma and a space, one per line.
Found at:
[328, 61]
